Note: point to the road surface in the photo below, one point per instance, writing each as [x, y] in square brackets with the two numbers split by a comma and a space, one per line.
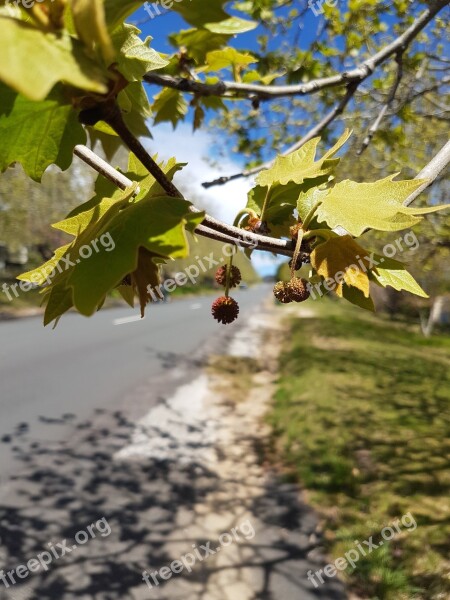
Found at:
[122, 454]
[87, 364]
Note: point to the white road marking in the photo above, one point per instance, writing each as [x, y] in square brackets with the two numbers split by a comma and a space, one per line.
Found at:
[126, 320]
[196, 306]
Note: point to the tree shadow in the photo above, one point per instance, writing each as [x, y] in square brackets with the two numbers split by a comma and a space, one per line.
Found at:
[155, 511]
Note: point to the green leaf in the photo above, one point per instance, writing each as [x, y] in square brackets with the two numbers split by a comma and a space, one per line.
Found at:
[198, 42]
[37, 134]
[135, 58]
[155, 223]
[308, 200]
[33, 61]
[394, 274]
[210, 15]
[361, 206]
[232, 26]
[171, 106]
[228, 57]
[355, 296]
[117, 11]
[90, 24]
[301, 165]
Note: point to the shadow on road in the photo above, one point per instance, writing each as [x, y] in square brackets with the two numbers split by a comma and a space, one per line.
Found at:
[152, 507]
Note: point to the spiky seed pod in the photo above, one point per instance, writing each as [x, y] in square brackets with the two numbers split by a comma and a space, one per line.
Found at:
[235, 276]
[281, 293]
[297, 290]
[225, 310]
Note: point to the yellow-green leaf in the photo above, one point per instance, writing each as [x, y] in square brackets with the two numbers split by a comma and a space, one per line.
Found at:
[32, 61]
[301, 164]
[394, 274]
[344, 261]
[135, 58]
[228, 57]
[90, 24]
[361, 206]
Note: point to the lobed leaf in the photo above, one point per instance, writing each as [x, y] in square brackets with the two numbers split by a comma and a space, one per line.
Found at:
[37, 134]
[27, 53]
[378, 205]
[134, 57]
[301, 164]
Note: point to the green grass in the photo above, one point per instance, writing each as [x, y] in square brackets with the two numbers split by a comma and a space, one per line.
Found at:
[361, 418]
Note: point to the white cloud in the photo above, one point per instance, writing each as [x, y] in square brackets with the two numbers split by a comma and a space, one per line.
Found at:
[222, 202]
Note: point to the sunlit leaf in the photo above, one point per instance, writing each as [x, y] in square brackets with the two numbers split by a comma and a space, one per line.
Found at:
[27, 53]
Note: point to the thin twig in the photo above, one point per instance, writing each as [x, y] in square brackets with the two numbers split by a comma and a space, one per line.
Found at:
[113, 117]
[314, 132]
[102, 167]
[386, 106]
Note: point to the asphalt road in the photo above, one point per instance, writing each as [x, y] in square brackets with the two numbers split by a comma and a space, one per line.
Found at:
[88, 364]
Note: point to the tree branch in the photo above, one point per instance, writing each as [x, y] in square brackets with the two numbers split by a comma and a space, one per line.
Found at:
[234, 89]
[390, 99]
[210, 227]
[315, 131]
[431, 172]
[222, 232]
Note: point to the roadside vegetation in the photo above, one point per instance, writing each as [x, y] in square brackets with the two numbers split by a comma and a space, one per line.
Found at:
[361, 419]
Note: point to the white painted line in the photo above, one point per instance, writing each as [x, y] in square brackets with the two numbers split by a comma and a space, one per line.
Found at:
[126, 320]
[195, 306]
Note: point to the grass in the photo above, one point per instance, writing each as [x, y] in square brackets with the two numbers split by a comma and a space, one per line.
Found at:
[361, 419]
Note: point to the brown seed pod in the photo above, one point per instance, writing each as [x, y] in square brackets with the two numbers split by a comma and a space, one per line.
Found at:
[297, 290]
[257, 226]
[225, 310]
[281, 293]
[235, 276]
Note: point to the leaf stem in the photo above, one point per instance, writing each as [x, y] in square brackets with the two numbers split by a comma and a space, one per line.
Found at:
[266, 203]
[310, 215]
[298, 247]
[326, 234]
